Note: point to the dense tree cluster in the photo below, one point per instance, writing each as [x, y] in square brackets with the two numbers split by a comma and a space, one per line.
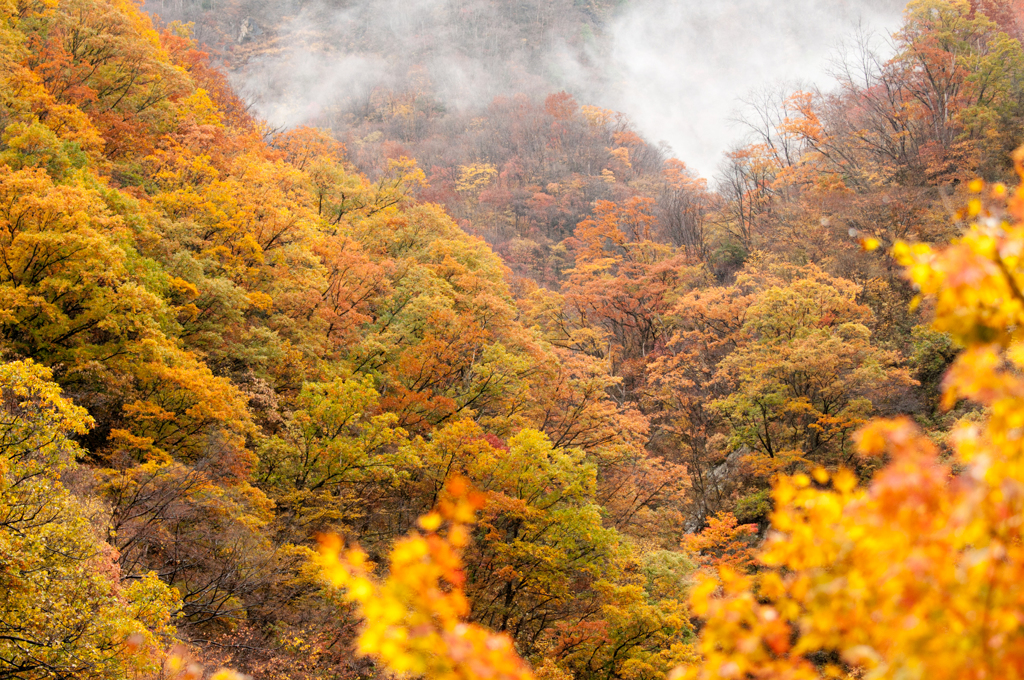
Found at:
[246, 343]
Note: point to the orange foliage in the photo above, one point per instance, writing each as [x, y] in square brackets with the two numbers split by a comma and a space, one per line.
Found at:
[724, 542]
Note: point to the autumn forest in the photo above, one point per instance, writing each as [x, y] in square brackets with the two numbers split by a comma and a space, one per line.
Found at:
[504, 390]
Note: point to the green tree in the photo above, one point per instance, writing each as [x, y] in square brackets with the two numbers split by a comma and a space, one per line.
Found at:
[807, 374]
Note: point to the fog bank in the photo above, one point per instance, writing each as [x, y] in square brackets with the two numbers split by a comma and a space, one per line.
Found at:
[678, 69]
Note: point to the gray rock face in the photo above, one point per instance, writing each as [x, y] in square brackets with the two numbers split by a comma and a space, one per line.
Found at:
[715, 480]
[248, 30]
[728, 466]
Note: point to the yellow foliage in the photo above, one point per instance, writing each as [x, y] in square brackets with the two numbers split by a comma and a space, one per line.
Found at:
[919, 574]
[202, 109]
[66, 607]
[473, 178]
[596, 116]
[414, 619]
[621, 154]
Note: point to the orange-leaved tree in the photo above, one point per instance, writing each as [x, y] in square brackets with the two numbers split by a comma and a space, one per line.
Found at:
[921, 572]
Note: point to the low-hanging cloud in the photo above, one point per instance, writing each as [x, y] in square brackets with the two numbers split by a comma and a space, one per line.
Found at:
[684, 67]
[677, 68]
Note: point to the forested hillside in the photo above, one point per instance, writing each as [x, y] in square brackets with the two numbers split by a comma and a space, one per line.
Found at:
[542, 375]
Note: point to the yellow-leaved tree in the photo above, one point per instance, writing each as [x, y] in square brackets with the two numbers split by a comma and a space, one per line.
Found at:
[414, 619]
[67, 609]
[919, 574]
